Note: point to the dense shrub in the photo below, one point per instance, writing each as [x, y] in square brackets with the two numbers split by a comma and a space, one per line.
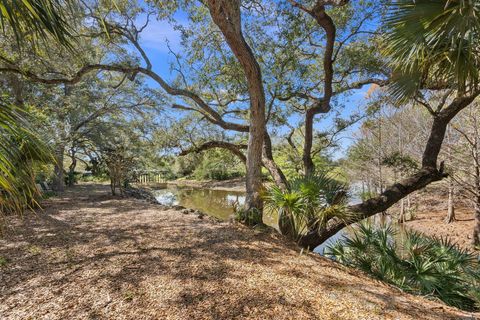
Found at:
[103, 177]
[415, 263]
[215, 173]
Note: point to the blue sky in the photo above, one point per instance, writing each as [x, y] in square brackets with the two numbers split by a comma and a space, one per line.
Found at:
[157, 34]
[154, 40]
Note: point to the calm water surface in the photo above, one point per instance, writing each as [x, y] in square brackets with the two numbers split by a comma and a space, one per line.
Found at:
[217, 203]
[221, 204]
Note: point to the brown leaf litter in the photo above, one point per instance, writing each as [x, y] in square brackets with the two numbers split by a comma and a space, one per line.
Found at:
[89, 255]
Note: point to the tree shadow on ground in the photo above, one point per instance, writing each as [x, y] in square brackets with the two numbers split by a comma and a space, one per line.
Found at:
[115, 256]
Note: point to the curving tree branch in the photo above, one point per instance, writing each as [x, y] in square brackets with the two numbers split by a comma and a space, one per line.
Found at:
[427, 174]
[234, 148]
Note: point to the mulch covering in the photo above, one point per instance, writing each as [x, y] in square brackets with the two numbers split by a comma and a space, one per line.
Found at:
[89, 255]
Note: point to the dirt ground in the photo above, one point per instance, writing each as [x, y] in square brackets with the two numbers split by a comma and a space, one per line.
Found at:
[430, 211]
[89, 255]
[431, 222]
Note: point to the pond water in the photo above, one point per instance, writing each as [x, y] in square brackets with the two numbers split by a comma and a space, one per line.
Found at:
[221, 204]
[217, 203]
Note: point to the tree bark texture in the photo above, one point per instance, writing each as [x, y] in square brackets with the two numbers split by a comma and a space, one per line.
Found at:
[226, 15]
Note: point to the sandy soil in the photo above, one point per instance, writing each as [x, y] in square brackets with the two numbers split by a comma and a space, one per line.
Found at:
[430, 213]
[432, 223]
[92, 256]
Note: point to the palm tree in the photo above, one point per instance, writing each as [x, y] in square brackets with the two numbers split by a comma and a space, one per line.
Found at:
[433, 44]
[308, 204]
[412, 262]
[37, 19]
[19, 149]
[29, 20]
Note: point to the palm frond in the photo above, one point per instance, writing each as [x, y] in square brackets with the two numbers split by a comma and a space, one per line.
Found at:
[308, 203]
[19, 148]
[37, 19]
[417, 264]
[432, 42]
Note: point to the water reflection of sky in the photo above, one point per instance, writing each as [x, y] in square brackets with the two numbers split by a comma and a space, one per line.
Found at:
[217, 203]
[166, 197]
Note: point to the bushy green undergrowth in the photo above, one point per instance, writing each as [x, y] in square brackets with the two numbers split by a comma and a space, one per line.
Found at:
[431, 267]
[218, 167]
[92, 178]
[215, 173]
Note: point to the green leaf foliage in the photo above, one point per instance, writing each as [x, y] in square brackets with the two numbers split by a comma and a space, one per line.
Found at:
[433, 43]
[308, 203]
[37, 19]
[20, 148]
[431, 267]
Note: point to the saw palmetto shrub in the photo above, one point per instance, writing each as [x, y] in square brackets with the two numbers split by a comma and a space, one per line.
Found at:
[432, 267]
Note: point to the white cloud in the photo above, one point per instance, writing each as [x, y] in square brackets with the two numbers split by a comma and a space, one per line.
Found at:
[156, 35]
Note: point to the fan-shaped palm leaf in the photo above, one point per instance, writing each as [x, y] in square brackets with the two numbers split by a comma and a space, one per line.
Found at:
[37, 19]
[433, 42]
[308, 203]
[426, 266]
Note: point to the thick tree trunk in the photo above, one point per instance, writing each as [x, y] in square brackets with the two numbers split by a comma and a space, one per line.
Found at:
[323, 105]
[370, 207]
[226, 15]
[308, 166]
[271, 165]
[59, 179]
[113, 185]
[426, 175]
